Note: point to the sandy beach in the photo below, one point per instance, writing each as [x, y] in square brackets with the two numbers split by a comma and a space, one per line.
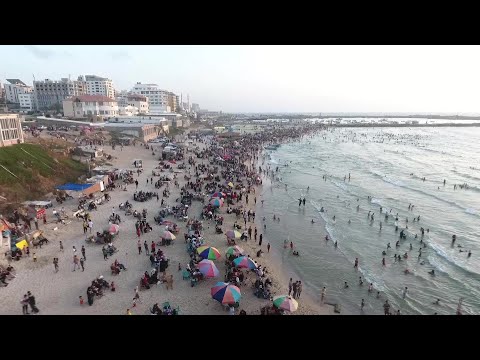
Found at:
[58, 293]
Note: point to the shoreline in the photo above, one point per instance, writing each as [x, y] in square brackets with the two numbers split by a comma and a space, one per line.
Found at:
[284, 270]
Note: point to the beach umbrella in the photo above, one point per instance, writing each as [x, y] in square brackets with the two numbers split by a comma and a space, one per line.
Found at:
[168, 222]
[216, 202]
[113, 229]
[233, 234]
[168, 235]
[218, 194]
[208, 252]
[244, 262]
[230, 184]
[225, 293]
[208, 268]
[285, 302]
[235, 250]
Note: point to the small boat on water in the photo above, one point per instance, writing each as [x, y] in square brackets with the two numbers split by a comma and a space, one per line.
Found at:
[272, 147]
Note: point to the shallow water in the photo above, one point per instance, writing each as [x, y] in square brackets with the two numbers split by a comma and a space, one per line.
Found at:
[381, 162]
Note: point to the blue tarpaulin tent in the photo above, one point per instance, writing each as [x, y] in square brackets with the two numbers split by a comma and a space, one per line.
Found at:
[74, 187]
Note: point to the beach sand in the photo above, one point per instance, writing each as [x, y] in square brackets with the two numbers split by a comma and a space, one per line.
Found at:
[58, 293]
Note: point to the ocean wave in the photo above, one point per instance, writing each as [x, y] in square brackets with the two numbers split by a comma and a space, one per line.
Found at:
[443, 254]
[468, 176]
[376, 201]
[471, 211]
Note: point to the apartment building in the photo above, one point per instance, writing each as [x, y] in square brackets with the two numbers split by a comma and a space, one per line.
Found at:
[14, 87]
[157, 98]
[97, 85]
[90, 106]
[49, 94]
[10, 130]
[27, 102]
[173, 102]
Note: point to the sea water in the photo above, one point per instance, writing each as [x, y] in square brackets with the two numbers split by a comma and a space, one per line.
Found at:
[387, 165]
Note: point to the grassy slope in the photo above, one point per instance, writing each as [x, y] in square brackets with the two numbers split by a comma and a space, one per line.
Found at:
[37, 175]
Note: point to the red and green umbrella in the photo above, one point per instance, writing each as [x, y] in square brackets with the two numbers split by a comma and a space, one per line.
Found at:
[235, 250]
[244, 262]
[113, 229]
[225, 293]
[233, 234]
[218, 194]
[208, 268]
[216, 202]
[208, 252]
[285, 302]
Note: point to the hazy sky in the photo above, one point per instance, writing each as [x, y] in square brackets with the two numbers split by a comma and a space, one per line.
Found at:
[273, 78]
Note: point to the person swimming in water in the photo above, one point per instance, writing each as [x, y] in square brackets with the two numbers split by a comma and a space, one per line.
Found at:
[296, 253]
[313, 221]
[345, 285]
[437, 302]
[335, 244]
[432, 272]
[469, 253]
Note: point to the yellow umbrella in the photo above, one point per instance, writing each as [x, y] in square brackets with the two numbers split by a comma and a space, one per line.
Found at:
[230, 184]
[22, 244]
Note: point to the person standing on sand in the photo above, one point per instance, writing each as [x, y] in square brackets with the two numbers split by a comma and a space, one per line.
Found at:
[153, 247]
[85, 227]
[260, 240]
[139, 246]
[83, 252]
[294, 288]
[290, 286]
[255, 234]
[82, 263]
[90, 225]
[299, 289]
[268, 247]
[322, 296]
[145, 245]
[75, 262]
[356, 263]
[61, 246]
[55, 264]
[362, 304]
[105, 254]
[24, 303]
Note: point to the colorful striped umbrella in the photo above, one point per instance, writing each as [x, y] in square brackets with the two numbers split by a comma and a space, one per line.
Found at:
[216, 202]
[218, 195]
[225, 293]
[285, 302]
[208, 268]
[208, 252]
[113, 228]
[233, 234]
[168, 235]
[235, 250]
[244, 262]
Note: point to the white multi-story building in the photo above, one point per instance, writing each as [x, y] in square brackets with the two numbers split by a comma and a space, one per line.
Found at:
[90, 106]
[97, 85]
[27, 102]
[48, 93]
[10, 130]
[157, 98]
[15, 87]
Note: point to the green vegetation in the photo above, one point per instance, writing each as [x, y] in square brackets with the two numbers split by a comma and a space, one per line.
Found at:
[37, 171]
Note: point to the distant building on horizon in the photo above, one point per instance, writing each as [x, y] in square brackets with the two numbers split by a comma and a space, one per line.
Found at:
[14, 87]
[157, 98]
[49, 94]
[195, 107]
[90, 106]
[97, 85]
